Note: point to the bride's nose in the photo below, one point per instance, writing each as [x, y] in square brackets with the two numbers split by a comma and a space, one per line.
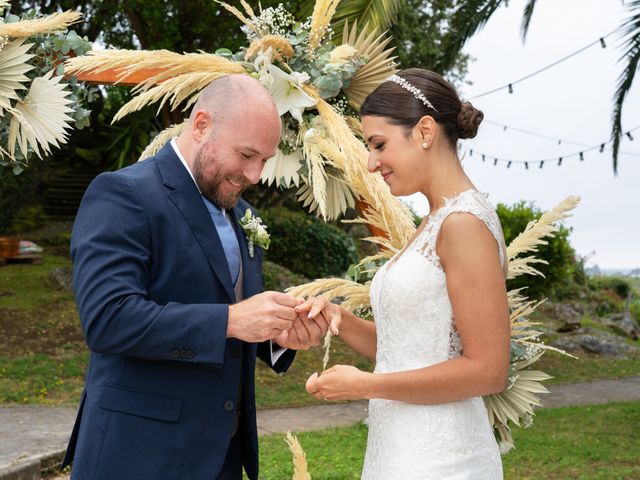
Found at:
[373, 163]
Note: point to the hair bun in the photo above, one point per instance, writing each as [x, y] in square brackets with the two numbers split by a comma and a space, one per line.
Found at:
[469, 120]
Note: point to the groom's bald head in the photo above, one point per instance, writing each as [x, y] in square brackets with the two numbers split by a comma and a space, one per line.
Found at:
[235, 95]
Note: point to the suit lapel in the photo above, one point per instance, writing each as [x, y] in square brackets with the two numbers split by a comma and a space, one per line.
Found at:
[187, 200]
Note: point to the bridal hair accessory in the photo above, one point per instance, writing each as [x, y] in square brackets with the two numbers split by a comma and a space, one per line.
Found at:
[410, 88]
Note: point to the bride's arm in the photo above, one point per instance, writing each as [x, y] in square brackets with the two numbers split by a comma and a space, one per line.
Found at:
[359, 334]
[476, 287]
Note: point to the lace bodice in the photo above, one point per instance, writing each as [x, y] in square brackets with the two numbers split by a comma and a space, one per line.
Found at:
[415, 329]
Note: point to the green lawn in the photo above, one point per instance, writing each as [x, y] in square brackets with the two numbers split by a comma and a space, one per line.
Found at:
[43, 356]
[587, 443]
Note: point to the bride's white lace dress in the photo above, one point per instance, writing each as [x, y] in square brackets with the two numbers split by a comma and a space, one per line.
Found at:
[415, 328]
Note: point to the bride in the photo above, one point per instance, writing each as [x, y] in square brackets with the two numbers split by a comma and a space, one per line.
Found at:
[441, 334]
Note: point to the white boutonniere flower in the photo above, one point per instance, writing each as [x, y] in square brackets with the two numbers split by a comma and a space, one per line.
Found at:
[255, 231]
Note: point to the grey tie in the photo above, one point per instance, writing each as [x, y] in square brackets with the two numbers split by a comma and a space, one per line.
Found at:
[227, 237]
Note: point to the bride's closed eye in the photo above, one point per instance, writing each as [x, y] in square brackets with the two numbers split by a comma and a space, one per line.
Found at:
[379, 146]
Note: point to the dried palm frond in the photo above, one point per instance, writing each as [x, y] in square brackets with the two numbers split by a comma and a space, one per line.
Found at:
[535, 231]
[50, 23]
[13, 66]
[378, 68]
[300, 471]
[283, 169]
[42, 116]
[323, 11]
[339, 198]
[162, 138]
[280, 46]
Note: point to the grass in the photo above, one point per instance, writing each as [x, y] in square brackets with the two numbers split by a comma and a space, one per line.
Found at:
[42, 379]
[43, 355]
[28, 288]
[588, 443]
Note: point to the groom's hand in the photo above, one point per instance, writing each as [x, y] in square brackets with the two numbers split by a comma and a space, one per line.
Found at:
[262, 317]
[305, 332]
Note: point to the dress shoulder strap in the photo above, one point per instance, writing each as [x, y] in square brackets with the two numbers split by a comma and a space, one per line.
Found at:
[475, 203]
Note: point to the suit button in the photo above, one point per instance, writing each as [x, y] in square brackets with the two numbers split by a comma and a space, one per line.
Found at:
[228, 405]
[189, 354]
[175, 353]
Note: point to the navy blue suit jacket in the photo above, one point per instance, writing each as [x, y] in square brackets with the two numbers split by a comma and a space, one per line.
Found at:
[153, 290]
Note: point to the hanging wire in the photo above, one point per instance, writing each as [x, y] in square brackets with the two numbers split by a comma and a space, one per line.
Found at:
[555, 139]
[509, 86]
[580, 154]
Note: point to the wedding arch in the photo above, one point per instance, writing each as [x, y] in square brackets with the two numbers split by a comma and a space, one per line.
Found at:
[318, 88]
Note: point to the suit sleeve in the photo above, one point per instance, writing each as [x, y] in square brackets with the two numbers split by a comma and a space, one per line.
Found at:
[111, 253]
[282, 364]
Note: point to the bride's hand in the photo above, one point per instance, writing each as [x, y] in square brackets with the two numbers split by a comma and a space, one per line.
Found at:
[340, 382]
[331, 312]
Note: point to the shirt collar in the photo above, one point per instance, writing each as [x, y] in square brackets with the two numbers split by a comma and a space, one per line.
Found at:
[207, 203]
[174, 145]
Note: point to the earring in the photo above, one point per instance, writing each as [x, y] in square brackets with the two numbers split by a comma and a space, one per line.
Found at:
[425, 145]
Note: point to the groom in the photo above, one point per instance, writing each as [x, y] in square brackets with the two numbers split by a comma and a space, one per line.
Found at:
[171, 302]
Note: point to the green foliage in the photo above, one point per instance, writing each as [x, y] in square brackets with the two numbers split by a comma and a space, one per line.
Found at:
[563, 271]
[29, 218]
[279, 278]
[419, 33]
[16, 191]
[306, 245]
[609, 294]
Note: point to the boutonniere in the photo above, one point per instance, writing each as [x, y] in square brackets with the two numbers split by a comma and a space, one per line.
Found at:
[255, 231]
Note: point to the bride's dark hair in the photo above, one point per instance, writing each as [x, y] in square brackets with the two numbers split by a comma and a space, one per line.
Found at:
[390, 100]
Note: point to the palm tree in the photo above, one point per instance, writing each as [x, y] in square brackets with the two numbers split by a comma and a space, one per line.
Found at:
[470, 16]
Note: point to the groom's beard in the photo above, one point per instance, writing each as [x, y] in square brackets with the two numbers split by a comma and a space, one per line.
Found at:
[211, 188]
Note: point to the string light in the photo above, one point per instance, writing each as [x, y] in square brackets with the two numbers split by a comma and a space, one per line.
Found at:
[628, 134]
[510, 85]
[559, 159]
[559, 141]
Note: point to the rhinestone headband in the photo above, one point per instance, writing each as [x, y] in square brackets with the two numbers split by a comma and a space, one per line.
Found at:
[410, 88]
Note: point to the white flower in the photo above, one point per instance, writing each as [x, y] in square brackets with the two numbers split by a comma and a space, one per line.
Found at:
[288, 94]
[42, 116]
[255, 231]
[13, 66]
[263, 59]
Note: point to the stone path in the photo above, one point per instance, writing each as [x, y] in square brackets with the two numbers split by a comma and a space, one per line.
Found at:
[32, 437]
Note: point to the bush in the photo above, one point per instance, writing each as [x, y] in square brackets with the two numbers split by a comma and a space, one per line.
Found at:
[306, 245]
[278, 278]
[564, 274]
[608, 294]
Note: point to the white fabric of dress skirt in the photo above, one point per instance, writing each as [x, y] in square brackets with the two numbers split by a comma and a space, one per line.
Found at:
[415, 329]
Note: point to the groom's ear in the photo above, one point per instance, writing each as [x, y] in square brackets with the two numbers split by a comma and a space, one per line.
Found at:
[202, 124]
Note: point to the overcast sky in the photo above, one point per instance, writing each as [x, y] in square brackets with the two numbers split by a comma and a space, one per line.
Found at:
[571, 101]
